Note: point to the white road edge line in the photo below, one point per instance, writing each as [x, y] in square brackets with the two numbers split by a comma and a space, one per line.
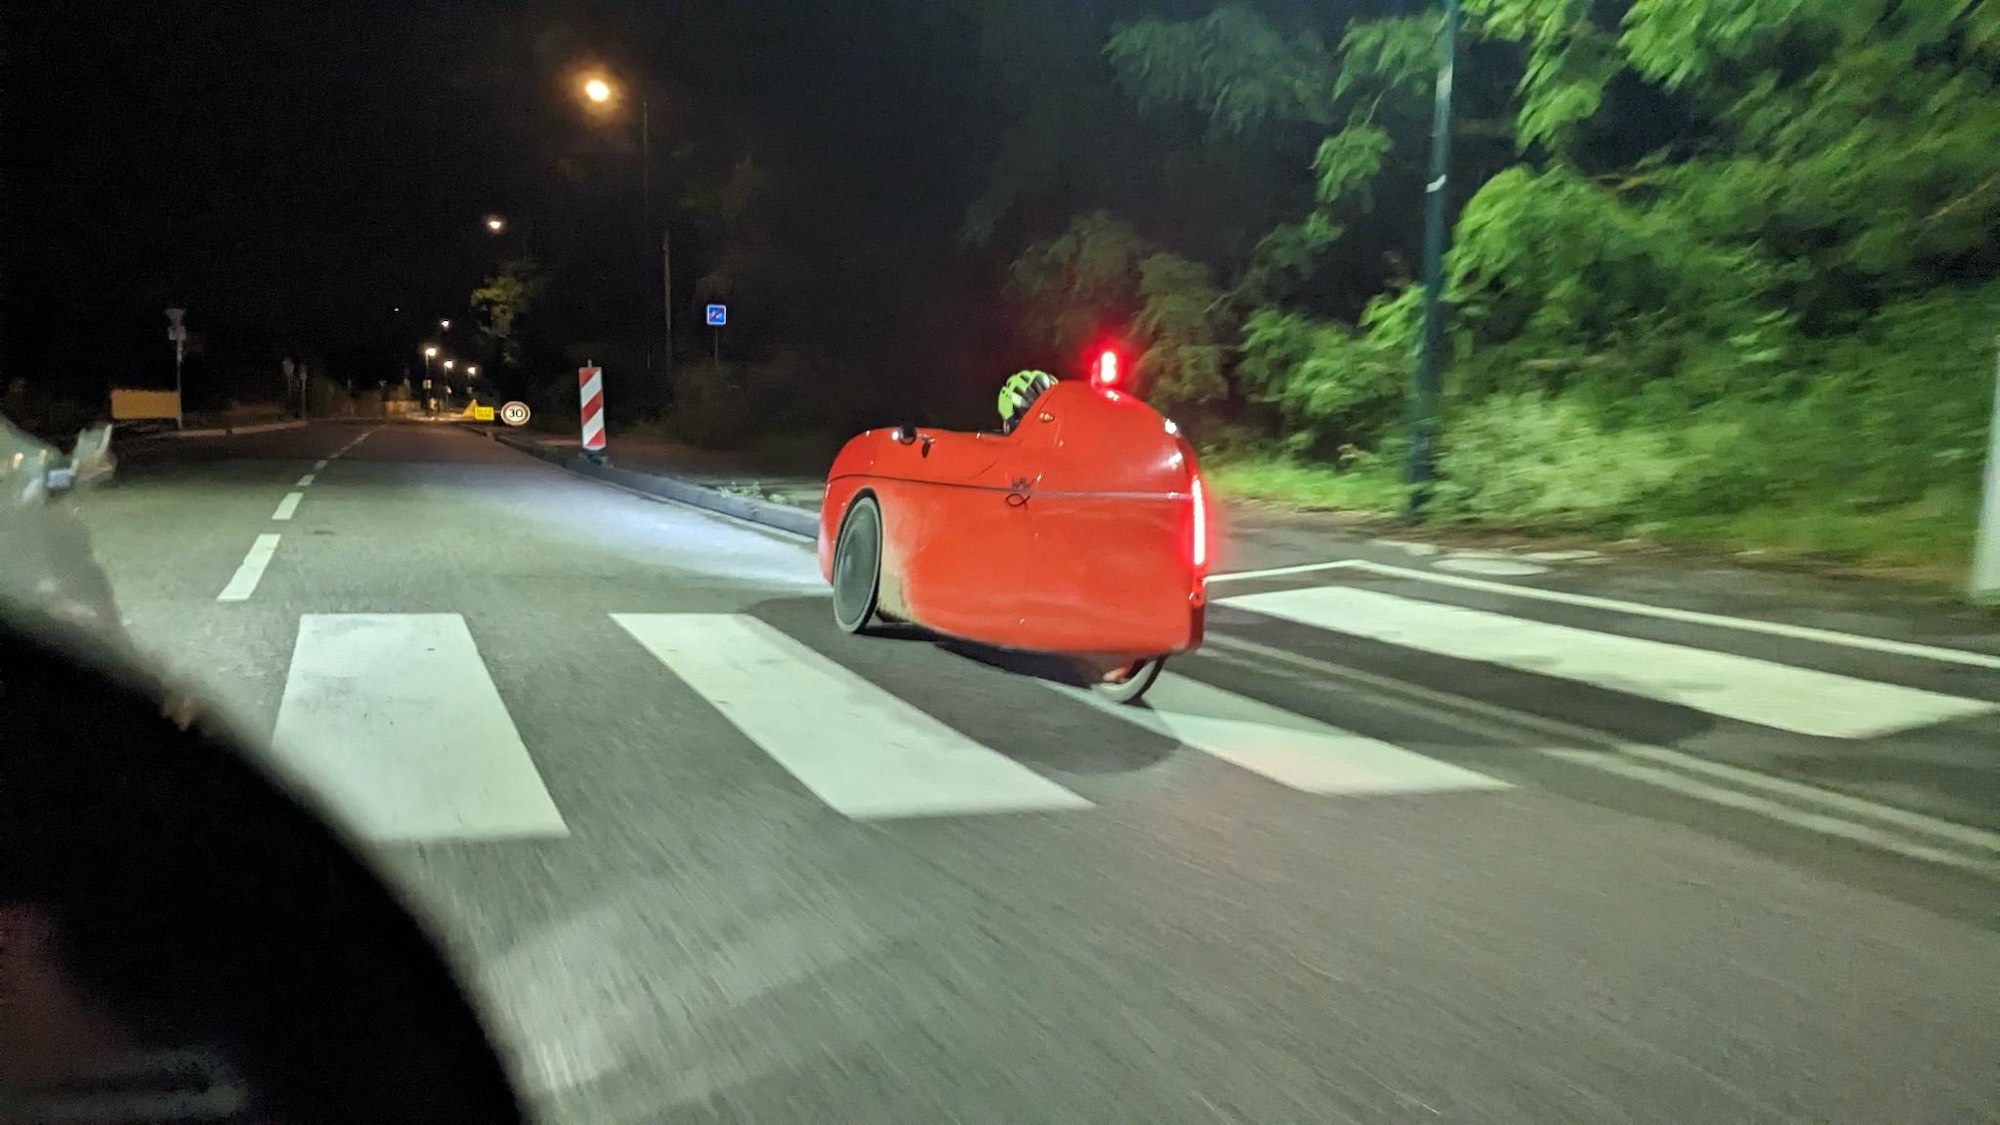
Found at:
[1916, 822]
[304, 481]
[288, 505]
[1798, 818]
[244, 582]
[319, 464]
[1641, 609]
[1282, 571]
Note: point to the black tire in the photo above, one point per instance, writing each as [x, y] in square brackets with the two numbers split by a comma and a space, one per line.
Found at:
[857, 566]
[1127, 684]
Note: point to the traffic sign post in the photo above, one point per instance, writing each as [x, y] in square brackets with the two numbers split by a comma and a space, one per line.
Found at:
[590, 393]
[718, 317]
[515, 413]
[178, 333]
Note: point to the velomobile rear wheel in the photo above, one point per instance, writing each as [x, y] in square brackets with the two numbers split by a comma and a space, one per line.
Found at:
[1127, 684]
[857, 566]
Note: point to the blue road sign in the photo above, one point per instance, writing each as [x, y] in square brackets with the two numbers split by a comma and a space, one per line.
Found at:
[718, 315]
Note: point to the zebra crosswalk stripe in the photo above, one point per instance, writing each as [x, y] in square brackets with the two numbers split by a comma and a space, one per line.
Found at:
[864, 752]
[1801, 700]
[394, 722]
[1290, 749]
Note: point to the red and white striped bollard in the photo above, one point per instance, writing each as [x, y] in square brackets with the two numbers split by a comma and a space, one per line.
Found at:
[590, 391]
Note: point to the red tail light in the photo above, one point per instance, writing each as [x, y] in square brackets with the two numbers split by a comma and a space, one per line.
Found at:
[1198, 525]
[1105, 374]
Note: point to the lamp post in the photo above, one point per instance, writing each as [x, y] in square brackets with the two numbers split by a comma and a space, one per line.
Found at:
[599, 91]
[1986, 544]
[1424, 393]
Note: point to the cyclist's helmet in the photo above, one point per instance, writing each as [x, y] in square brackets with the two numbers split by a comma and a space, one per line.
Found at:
[1019, 392]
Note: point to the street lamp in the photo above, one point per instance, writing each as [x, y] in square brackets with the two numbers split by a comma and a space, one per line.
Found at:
[600, 92]
[430, 353]
[496, 223]
[1425, 389]
[445, 325]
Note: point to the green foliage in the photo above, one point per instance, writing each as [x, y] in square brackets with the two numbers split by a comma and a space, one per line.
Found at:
[325, 398]
[1348, 162]
[1183, 319]
[1524, 457]
[1075, 284]
[1330, 385]
[1285, 257]
[1397, 54]
[502, 303]
[1741, 256]
[1370, 484]
[1232, 63]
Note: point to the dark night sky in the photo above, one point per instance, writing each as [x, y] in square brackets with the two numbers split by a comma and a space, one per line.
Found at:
[289, 171]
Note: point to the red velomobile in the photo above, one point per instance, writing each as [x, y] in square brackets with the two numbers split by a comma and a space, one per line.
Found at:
[1083, 531]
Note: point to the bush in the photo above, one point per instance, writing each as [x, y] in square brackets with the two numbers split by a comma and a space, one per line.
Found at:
[1534, 458]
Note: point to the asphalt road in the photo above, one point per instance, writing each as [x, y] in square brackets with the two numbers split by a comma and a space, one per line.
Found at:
[1391, 848]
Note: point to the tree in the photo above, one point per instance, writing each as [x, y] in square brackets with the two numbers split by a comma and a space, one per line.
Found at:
[503, 302]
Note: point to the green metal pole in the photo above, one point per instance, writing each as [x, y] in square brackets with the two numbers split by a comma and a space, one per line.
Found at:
[1424, 393]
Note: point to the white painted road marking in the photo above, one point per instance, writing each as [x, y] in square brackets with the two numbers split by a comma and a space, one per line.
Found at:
[863, 751]
[1856, 806]
[1638, 609]
[1504, 726]
[251, 571]
[288, 505]
[393, 720]
[1736, 687]
[1283, 571]
[318, 465]
[1289, 749]
[1799, 818]
[304, 481]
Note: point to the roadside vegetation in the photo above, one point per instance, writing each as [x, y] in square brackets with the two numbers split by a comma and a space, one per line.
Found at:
[1721, 270]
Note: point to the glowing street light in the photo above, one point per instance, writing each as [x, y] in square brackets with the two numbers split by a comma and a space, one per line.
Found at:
[471, 369]
[448, 363]
[496, 223]
[602, 94]
[445, 325]
[430, 351]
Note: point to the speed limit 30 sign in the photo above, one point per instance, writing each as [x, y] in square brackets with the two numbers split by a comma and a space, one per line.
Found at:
[515, 414]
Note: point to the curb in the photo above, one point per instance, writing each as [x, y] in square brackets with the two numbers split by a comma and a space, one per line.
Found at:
[224, 431]
[796, 521]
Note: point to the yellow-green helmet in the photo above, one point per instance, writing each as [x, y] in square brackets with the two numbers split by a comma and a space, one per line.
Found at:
[1020, 389]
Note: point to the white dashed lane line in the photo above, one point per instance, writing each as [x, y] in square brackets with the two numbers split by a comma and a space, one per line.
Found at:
[244, 582]
[251, 571]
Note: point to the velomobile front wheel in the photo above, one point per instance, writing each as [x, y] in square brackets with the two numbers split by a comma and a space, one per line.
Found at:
[1127, 684]
[857, 566]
